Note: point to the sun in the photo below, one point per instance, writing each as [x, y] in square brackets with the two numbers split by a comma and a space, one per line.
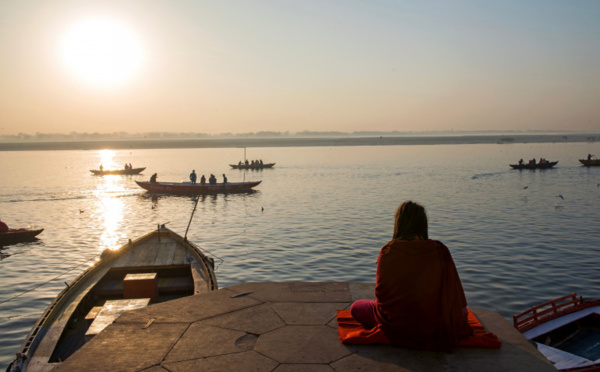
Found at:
[102, 51]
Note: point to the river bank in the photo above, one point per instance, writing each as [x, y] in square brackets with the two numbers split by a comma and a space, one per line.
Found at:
[297, 142]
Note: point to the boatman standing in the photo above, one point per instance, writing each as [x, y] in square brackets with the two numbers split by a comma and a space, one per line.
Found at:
[193, 176]
[224, 178]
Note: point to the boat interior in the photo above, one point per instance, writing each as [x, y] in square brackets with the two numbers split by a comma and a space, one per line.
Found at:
[573, 345]
[121, 289]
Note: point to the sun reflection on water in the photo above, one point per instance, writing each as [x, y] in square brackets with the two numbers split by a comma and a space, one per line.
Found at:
[106, 159]
[110, 206]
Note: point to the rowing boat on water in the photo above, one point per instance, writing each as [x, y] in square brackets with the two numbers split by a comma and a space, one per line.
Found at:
[197, 188]
[546, 165]
[252, 166]
[590, 162]
[566, 330]
[13, 236]
[105, 172]
[157, 267]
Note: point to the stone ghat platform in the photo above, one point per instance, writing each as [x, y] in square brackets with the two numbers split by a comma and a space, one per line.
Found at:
[281, 327]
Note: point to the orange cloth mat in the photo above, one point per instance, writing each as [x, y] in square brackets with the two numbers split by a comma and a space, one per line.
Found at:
[352, 332]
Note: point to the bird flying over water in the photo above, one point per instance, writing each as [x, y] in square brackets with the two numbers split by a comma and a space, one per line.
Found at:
[560, 196]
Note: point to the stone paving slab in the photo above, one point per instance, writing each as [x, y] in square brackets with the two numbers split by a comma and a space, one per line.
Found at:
[278, 327]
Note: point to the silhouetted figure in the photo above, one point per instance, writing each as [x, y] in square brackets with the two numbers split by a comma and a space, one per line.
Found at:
[224, 178]
[193, 176]
[202, 180]
[153, 178]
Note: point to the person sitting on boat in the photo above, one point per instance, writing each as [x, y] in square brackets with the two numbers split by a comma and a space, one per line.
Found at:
[153, 178]
[193, 176]
[224, 178]
[3, 226]
[589, 156]
[202, 180]
[240, 162]
[101, 168]
[246, 161]
[419, 299]
[261, 162]
[521, 162]
[212, 179]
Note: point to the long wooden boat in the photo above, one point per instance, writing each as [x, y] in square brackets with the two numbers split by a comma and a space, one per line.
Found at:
[106, 172]
[157, 267]
[13, 236]
[590, 162]
[545, 165]
[250, 166]
[566, 330]
[197, 188]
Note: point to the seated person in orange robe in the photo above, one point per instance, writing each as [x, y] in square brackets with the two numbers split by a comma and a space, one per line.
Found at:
[419, 299]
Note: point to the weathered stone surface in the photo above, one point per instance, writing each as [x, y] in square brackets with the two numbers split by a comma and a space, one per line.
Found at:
[296, 292]
[125, 347]
[256, 319]
[240, 362]
[362, 291]
[303, 368]
[190, 309]
[201, 341]
[154, 369]
[307, 313]
[302, 344]
[217, 331]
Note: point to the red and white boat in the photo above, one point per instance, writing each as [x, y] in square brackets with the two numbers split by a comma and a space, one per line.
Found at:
[566, 330]
[197, 188]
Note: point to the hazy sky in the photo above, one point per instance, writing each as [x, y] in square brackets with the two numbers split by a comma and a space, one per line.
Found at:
[318, 65]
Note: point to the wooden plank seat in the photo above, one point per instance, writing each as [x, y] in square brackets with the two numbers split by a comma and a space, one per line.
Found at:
[109, 288]
[175, 284]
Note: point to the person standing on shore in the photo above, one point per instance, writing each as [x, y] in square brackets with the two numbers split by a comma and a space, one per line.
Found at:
[419, 299]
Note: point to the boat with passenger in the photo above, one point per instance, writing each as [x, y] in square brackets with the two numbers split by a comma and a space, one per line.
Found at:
[157, 267]
[591, 161]
[252, 165]
[107, 172]
[197, 188]
[565, 330]
[532, 164]
[13, 236]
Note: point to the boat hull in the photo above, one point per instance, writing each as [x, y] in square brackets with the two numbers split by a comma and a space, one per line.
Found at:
[13, 236]
[179, 268]
[565, 330]
[250, 166]
[196, 188]
[590, 163]
[132, 171]
[534, 166]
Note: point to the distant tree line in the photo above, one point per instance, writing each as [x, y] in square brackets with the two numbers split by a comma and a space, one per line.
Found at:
[96, 136]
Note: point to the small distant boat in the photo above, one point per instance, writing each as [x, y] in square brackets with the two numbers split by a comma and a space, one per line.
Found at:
[249, 165]
[545, 165]
[566, 330]
[252, 166]
[105, 172]
[590, 162]
[13, 236]
[157, 267]
[197, 188]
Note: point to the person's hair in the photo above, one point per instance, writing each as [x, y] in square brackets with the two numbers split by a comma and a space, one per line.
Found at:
[410, 221]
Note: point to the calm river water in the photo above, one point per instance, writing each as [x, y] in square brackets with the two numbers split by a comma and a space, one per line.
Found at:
[321, 214]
